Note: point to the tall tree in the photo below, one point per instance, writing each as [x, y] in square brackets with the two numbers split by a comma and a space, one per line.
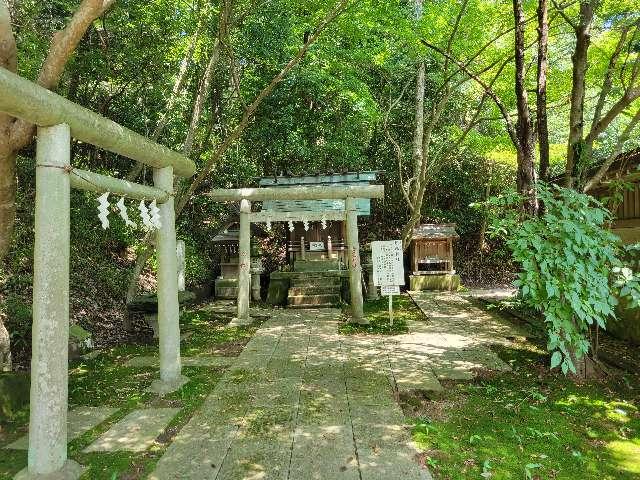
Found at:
[186, 191]
[16, 134]
[541, 87]
[617, 91]
[579, 59]
[525, 134]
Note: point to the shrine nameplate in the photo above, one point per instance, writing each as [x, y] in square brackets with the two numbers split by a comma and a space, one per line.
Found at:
[316, 246]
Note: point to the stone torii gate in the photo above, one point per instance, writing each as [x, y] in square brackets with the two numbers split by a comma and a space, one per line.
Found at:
[347, 193]
[57, 121]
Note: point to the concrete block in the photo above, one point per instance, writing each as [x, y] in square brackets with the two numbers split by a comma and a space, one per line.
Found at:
[434, 282]
[79, 421]
[136, 432]
[70, 471]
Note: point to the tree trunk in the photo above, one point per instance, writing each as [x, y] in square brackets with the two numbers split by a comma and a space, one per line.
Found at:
[576, 111]
[17, 134]
[524, 128]
[541, 91]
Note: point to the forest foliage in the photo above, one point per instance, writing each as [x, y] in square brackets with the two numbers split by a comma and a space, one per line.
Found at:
[211, 79]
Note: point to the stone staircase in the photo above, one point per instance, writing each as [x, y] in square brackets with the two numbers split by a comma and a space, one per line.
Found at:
[314, 289]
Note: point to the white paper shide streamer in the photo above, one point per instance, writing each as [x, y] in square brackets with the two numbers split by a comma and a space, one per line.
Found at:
[155, 215]
[324, 223]
[144, 214]
[291, 227]
[123, 213]
[306, 225]
[103, 209]
[268, 225]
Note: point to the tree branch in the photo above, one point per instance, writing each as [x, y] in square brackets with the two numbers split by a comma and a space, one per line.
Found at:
[608, 78]
[8, 50]
[248, 114]
[595, 180]
[503, 109]
[616, 109]
[63, 44]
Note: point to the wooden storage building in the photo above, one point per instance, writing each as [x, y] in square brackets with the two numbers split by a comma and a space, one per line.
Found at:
[431, 249]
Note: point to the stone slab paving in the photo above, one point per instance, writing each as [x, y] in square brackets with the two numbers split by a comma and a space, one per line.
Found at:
[455, 339]
[136, 432]
[301, 402]
[199, 361]
[79, 421]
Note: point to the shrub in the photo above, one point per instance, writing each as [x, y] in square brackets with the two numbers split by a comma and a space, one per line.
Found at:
[18, 322]
[571, 265]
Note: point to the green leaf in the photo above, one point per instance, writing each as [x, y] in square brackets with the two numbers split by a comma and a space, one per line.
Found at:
[556, 358]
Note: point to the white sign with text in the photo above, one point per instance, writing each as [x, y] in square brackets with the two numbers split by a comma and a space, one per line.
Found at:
[388, 266]
[316, 246]
[390, 290]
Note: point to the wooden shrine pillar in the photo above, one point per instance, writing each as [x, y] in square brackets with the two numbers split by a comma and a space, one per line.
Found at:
[244, 264]
[168, 307]
[355, 268]
[50, 331]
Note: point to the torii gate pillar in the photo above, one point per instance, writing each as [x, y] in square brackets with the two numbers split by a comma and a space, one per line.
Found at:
[355, 268]
[49, 359]
[244, 272]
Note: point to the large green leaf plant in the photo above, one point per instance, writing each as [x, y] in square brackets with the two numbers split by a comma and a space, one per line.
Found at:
[571, 266]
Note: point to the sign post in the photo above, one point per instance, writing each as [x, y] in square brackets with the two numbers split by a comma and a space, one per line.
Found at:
[388, 269]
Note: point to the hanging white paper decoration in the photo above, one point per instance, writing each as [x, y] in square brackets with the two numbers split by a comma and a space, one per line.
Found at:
[291, 227]
[103, 209]
[324, 223]
[155, 215]
[144, 214]
[268, 225]
[123, 213]
[306, 225]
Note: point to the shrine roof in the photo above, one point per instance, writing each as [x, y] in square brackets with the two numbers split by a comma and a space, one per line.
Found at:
[229, 234]
[329, 179]
[435, 231]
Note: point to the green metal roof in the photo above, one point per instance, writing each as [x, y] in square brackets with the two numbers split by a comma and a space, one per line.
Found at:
[342, 179]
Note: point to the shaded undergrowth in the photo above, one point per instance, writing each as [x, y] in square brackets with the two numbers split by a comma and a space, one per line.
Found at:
[531, 424]
[106, 381]
[377, 312]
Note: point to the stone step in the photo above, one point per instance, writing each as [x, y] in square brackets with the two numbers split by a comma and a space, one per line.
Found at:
[316, 281]
[313, 300]
[315, 265]
[320, 305]
[315, 290]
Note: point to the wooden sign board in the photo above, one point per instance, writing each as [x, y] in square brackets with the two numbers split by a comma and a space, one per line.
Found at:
[316, 246]
[388, 265]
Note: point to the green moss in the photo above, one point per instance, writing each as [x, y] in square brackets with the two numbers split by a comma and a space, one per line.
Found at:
[531, 417]
[377, 312]
[105, 381]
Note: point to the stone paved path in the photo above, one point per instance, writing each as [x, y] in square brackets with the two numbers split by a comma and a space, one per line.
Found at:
[300, 403]
[79, 421]
[455, 340]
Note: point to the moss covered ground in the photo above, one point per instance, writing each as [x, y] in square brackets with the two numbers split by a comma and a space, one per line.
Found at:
[526, 424]
[531, 424]
[377, 312]
[105, 381]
